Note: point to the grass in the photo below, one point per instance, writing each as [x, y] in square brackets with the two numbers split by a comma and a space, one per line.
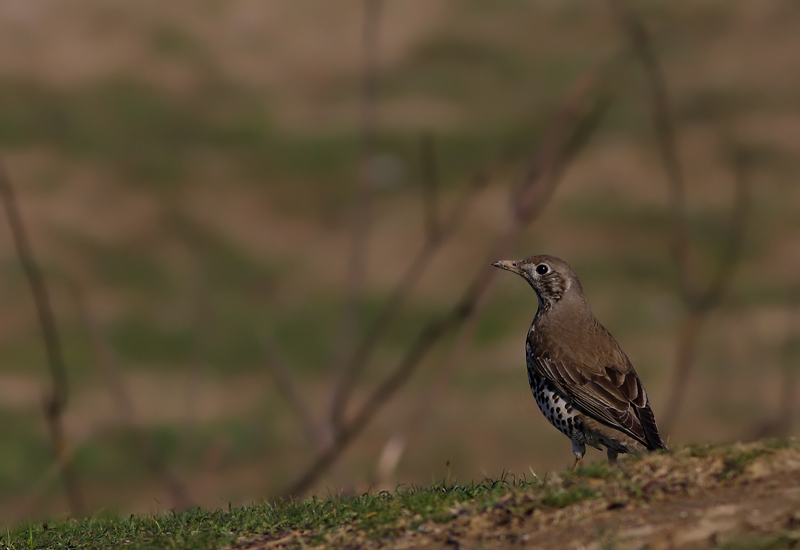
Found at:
[564, 497]
[380, 515]
[410, 511]
[735, 464]
[377, 516]
[595, 470]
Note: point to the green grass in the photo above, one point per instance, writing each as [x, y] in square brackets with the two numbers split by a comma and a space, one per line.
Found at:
[565, 497]
[380, 515]
[700, 450]
[595, 470]
[386, 515]
[735, 464]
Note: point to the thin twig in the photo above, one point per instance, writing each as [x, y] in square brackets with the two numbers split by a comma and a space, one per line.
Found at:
[410, 278]
[540, 167]
[202, 336]
[709, 298]
[686, 348]
[642, 46]
[281, 375]
[363, 208]
[119, 394]
[736, 233]
[37, 491]
[430, 185]
[698, 301]
[55, 402]
[787, 404]
[550, 165]
[781, 423]
[424, 342]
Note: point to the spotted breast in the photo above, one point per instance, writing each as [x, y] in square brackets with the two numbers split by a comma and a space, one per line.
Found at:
[556, 409]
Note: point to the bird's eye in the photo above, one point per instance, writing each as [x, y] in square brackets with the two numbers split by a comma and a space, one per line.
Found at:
[542, 269]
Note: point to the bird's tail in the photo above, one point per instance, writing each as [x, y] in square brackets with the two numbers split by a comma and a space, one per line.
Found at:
[648, 421]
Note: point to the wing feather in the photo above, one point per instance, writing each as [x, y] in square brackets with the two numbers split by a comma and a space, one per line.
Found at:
[604, 387]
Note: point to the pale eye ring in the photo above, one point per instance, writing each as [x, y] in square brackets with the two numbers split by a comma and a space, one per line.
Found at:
[542, 269]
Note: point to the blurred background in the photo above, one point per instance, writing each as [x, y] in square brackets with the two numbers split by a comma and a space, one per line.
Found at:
[222, 197]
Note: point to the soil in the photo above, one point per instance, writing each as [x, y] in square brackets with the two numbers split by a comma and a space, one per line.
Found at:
[705, 515]
[682, 501]
[720, 514]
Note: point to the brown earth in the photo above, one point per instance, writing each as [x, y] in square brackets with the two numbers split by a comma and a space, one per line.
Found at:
[659, 502]
[704, 520]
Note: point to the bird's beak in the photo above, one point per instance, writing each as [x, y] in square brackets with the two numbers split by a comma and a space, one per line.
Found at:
[508, 265]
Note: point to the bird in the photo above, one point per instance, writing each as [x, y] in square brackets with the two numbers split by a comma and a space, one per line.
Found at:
[582, 380]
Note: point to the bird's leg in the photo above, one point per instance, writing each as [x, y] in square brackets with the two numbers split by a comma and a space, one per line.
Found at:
[578, 449]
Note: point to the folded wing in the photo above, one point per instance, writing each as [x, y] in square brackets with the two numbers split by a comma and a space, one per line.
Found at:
[603, 386]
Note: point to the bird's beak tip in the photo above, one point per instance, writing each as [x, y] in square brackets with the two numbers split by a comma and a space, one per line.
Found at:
[506, 264]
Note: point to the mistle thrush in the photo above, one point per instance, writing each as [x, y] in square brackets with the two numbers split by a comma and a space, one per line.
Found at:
[582, 380]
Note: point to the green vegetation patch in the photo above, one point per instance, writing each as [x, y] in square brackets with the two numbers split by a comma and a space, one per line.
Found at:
[379, 515]
[735, 464]
[565, 497]
[426, 512]
[596, 470]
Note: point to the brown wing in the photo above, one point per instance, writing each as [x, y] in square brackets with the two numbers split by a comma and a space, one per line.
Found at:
[602, 385]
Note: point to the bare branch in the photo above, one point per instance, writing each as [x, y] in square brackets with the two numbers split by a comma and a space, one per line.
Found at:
[787, 405]
[583, 129]
[202, 336]
[39, 489]
[699, 301]
[781, 423]
[736, 233]
[710, 297]
[281, 374]
[565, 136]
[665, 134]
[686, 347]
[108, 365]
[366, 347]
[424, 342]
[430, 186]
[549, 164]
[56, 401]
[363, 208]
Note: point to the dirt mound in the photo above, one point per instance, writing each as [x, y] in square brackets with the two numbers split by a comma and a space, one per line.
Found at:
[743, 496]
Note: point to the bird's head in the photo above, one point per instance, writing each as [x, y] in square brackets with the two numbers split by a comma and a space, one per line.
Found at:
[552, 278]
